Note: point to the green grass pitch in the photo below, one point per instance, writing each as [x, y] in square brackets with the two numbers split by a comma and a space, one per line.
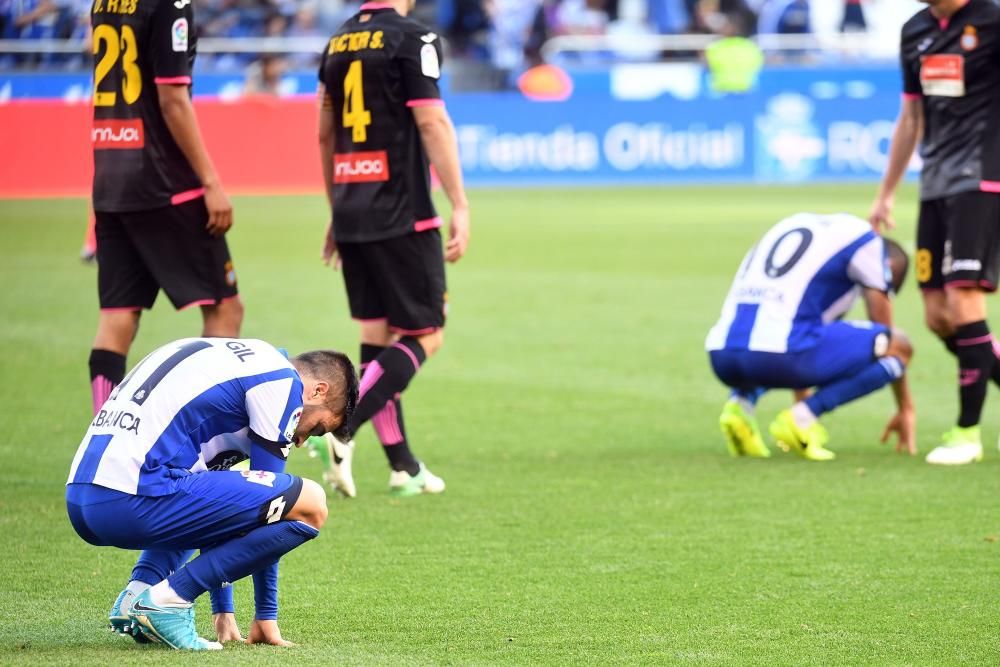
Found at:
[592, 514]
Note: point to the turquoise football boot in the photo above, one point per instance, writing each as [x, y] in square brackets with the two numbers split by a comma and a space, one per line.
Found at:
[173, 626]
[120, 622]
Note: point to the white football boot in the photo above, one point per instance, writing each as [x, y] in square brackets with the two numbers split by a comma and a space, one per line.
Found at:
[336, 457]
[960, 446]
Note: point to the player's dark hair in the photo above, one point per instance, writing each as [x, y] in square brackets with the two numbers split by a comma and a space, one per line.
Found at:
[336, 369]
[899, 263]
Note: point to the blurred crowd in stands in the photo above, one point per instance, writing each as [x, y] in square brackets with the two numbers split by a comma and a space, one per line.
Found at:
[504, 36]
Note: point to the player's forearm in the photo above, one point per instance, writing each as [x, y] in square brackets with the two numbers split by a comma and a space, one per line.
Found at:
[901, 391]
[265, 593]
[904, 141]
[267, 457]
[879, 307]
[441, 144]
[178, 114]
[326, 161]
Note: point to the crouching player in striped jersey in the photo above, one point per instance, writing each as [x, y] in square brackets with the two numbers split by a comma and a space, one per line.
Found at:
[780, 329]
[153, 473]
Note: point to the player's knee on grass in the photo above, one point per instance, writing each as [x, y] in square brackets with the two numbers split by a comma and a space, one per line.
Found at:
[900, 347]
[431, 342]
[310, 507]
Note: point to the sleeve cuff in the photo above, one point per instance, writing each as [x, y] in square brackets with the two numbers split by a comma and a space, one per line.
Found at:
[426, 102]
[173, 80]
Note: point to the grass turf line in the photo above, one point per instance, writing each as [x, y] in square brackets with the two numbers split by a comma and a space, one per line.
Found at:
[592, 514]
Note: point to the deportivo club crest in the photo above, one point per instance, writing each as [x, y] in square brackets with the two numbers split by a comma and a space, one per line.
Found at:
[970, 39]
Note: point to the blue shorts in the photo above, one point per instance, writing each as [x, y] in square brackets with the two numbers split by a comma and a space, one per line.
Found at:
[207, 508]
[843, 350]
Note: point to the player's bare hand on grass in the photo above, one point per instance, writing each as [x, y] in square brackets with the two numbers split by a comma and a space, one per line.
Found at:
[330, 255]
[226, 628]
[266, 632]
[458, 238]
[880, 215]
[904, 425]
[220, 210]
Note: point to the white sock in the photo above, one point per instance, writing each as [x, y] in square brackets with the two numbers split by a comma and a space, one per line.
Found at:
[136, 587]
[165, 596]
[803, 416]
[747, 406]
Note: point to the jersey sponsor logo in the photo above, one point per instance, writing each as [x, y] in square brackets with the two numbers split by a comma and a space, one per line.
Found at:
[881, 345]
[225, 460]
[361, 167]
[429, 63]
[179, 35]
[120, 419]
[262, 477]
[274, 510]
[943, 75]
[970, 39]
[965, 265]
[293, 422]
[118, 134]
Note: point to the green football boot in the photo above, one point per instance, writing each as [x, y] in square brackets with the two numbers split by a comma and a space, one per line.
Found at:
[173, 626]
[742, 432]
[809, 443]
[959, 447]
[404, 485]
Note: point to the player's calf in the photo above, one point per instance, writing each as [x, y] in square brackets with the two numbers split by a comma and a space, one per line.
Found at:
[431, 342]
[223, 320]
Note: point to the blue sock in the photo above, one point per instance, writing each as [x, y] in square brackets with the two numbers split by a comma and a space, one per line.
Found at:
[222, 600]
[239, 557]
[874, 376]
[265, 593]
[155, 566]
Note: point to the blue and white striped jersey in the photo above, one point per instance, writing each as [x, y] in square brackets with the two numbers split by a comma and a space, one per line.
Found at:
[191, 405]
[806, 271]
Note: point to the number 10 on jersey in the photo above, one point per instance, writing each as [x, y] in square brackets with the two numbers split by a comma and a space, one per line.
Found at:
[356, 116]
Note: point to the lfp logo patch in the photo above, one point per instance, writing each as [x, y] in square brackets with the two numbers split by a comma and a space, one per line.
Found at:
[179, 35]
[293, 423]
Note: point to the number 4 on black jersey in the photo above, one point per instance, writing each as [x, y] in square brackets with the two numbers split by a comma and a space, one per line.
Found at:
[375, 69]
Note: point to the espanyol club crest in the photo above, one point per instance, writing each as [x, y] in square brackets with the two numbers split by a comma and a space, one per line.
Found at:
[293, 422]
[970, 39]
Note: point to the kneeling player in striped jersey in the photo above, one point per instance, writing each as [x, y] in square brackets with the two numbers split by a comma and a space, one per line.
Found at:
[153, 473]
[780, 329]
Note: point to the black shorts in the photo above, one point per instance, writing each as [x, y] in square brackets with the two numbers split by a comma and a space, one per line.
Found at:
[958, 241]
[400, 280]
[140, 252]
